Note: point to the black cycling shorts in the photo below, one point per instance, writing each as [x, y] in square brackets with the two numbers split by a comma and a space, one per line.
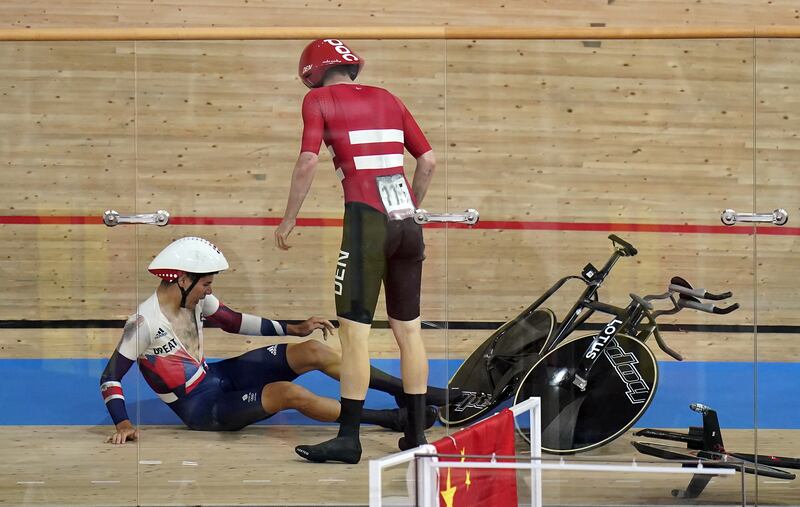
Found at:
[377, 250]
[229, 397]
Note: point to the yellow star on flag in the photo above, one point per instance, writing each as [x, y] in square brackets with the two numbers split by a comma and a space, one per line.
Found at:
[449, 493]
[463, 459]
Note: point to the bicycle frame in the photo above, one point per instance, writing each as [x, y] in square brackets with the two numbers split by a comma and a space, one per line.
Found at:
[561, 375]
[625, 320]
[583, 307]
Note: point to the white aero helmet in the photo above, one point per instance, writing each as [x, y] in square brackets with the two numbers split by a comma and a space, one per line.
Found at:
[189, 255]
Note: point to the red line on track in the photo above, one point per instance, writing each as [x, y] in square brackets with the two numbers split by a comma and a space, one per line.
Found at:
[483, 224]
[50, 220]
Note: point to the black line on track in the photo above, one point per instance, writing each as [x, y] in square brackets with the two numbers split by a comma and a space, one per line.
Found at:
[458, 325]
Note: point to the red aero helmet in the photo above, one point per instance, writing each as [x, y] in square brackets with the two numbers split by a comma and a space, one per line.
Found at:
[322, 54]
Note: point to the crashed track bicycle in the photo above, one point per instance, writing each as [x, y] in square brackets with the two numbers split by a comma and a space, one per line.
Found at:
[594, 386]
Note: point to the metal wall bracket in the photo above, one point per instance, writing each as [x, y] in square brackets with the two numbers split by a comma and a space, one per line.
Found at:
[777, 217]
[159, 218]
[469, 217]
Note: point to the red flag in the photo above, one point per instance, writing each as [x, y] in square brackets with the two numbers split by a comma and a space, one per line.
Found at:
[461, 487]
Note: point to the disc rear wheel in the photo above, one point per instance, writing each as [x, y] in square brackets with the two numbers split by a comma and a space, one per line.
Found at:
[619, 389]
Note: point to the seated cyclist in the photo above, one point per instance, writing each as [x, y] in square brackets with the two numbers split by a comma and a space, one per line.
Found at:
[165, 337]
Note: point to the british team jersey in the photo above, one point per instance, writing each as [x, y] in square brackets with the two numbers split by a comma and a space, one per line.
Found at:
[366, 129]
[164, 361]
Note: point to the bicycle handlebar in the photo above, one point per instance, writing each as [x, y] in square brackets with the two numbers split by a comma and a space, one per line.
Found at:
[663, 345]
[706, 307]
[678, 284]
[688, 298]
[699, 293]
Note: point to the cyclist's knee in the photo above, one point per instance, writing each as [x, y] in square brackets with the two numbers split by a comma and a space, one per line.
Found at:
[282, 395]
[406, 332]
[312, 355]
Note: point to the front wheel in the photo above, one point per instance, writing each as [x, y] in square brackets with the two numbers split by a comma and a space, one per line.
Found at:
[619, 389]
[490, 374]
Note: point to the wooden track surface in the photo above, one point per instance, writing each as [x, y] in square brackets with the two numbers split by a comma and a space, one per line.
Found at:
[258, 465]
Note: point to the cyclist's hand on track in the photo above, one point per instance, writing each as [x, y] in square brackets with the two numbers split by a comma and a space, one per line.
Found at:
[125, 431]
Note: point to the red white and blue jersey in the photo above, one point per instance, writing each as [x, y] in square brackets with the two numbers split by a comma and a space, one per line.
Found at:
[164, 361]
[366, 129]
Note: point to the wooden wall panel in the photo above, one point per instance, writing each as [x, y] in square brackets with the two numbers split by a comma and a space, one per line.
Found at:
[160, 13]
[657, 132]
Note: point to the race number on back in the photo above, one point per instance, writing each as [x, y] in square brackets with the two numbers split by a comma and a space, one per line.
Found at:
[395, 196]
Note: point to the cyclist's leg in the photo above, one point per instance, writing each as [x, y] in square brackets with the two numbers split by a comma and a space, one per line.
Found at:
[413, 358]
[256, 368]
[234, 410]
[269, 371]
[314, 355]
[279, 396]
[357, 281]
[359, 273]
[405, 253]
[212, 407]
[403, 279]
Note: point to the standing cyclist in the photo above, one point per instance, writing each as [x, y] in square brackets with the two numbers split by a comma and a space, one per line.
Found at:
[366, 130]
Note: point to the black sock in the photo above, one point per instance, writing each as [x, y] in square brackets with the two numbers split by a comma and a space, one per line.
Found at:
[415, 428]
[438, 396]
[350, 417]
[382, 381]
[391, 419]
[396, 419]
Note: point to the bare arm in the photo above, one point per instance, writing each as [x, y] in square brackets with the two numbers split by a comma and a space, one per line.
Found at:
[302, 176]
[426, 165]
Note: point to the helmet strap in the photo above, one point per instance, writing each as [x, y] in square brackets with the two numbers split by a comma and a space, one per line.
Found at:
[185, 292]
